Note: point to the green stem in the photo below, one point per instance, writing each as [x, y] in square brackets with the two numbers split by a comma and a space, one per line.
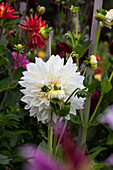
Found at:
[95, 111]
[71, 95]
[84, 71]
[101, 97]
[81, 116]
[50, 135]
[111, 76]
[84, 133]
[77, 59]
[77, 24]
[49, 44]
[61, 135]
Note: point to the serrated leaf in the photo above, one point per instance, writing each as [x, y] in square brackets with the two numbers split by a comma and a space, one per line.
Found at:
[82, 49]
[110, 139]
[105, 86]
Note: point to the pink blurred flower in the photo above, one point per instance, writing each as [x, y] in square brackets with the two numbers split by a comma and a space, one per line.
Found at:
[38, 160]
[24, 62]
[107, 117]
[109, 160]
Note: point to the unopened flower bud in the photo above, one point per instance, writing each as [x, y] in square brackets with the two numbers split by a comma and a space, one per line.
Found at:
[57, 94]
[99, 17]
[19, 46]
[41, 10]
[43, 32]
[93, 62]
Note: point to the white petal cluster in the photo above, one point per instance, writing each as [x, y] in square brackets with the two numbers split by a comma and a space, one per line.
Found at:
[52, 73]
[108, 22]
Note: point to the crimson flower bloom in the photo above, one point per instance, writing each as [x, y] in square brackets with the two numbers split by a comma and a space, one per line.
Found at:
[32, 27]
[7, 12]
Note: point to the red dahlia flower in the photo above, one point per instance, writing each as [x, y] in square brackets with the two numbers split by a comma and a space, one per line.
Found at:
[7, 12]
[32, 27]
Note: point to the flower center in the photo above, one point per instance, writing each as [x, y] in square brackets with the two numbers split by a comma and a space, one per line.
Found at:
[1, 11]
[56, 95]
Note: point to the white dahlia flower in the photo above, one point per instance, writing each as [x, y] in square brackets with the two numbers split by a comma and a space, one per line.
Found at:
[53, 73]
[108, 22]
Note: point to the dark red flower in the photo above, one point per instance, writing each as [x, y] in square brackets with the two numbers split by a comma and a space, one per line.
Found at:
[111, 48]
[63, 48]
[32, 27]
[7, 12]
[94, 100]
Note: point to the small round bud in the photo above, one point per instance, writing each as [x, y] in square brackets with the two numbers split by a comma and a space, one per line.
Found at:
[41, 10]
[19, 46]
[99, 17]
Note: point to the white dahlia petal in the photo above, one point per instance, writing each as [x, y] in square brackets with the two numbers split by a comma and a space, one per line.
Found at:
[39, 82]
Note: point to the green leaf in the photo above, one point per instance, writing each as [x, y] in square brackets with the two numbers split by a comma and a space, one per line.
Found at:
[94, 155]
[98, 166]
[3, 60]
[4, 160]
[18, 73]
[12, 85]
[97, 149]
[4, 41]
[105, 86]
[2, 50]
[110, 139]
[42, 145]
[4, 84]
[12, 99]
[82, 49]
[75, 119]
[9, 56]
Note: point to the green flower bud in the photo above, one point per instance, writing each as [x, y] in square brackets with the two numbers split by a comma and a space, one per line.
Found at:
[43, 32]
[99, 17]
[41, 10]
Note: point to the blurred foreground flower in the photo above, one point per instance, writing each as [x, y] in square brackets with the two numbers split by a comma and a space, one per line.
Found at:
[54, 77]
[108, 22]
[109, 160]
[24, 62]
[107, 117]
[32, 28]
[73, 157]
[7, 12]
[38, 160]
